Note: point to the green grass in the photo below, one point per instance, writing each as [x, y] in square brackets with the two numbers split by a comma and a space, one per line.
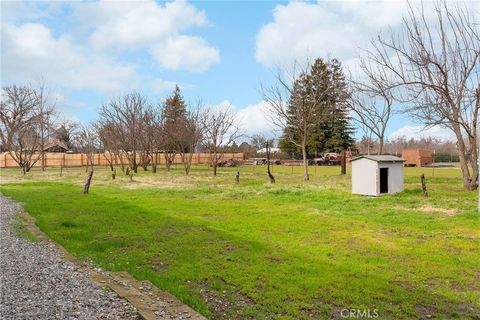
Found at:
[20, 229]
[290, 250]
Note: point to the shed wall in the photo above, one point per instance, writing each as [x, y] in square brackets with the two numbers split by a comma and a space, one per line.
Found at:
[364, 177]
[395, 176]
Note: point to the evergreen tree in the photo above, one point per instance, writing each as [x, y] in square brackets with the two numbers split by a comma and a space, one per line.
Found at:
[332, 132]
[340, 131]
[175, 108]
[174, 114]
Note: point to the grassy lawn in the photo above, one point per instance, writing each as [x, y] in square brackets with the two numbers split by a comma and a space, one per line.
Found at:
[290, 250]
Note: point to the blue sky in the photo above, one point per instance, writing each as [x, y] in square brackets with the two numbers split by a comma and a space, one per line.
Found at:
[217, 51]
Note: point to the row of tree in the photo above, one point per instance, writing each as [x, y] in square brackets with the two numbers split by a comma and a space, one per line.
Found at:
[128, 127]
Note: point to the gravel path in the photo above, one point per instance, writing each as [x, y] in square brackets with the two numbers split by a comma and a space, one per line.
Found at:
[37, 283]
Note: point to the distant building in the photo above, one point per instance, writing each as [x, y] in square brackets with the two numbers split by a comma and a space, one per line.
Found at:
[417, 157]
[55, 145]
[377, 175]
[272, 150]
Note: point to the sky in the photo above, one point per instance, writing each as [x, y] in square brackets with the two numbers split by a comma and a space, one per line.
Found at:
[217, 51]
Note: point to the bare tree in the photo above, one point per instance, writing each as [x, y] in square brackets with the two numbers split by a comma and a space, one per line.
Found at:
[190, 137]
[109, 144]
[46, 109]
[219, 131]
[19, 120]
[87, 142]
[152, 136]
[258, 141]
[64, 130]
[372, 100]
[436, 66]
[294, 101]
[126, 116]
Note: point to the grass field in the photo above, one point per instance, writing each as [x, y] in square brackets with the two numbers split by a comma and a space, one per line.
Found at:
[290, 250]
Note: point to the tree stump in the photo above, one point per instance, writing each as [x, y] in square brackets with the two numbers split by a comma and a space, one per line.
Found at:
[86, 187]
[424, 186]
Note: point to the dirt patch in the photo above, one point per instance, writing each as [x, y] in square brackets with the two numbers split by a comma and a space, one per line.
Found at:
[431, 209]
[225, 301]
[425, 312]
[447, 212]
[139, 184]
[7, 180]
[275, 259]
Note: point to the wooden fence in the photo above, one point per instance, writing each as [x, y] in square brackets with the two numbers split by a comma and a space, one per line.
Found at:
[99, 159]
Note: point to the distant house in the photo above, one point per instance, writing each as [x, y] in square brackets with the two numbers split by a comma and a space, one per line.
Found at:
[417, 157]
[55, 145]
[377, 175]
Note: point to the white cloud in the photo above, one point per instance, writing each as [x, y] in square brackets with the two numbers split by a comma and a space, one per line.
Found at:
[131, 24]
[148, 25]
[418, 132]
[251, 118]
[31, 51]
[325, 29]
[90, 46]
[254, 121]
[185, 52]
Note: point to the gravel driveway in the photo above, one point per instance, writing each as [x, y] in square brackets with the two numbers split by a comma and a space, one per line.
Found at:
[37, 283]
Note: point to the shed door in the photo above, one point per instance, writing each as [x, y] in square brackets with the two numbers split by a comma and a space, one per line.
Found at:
[383, 180]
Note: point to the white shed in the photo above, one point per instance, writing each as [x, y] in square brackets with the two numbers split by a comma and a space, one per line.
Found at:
[377, 175]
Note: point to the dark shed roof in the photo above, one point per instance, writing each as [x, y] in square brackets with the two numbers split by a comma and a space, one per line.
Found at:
[384, 158]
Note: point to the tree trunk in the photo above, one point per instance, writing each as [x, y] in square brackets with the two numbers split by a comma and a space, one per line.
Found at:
[467, 180]
[86, 187]
[270, 176]
[214, 163]
[380, 146]
[305, 161]
[344, 162]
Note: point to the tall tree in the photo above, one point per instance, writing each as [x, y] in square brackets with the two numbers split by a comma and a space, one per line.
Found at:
[338, 131]
[372, 99]
[436, 64]
[324, 87]
[174, 116]
[295, 105]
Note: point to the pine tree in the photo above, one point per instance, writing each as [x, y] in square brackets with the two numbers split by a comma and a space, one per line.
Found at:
[332, 132]
[340, 131]
[175, 108]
